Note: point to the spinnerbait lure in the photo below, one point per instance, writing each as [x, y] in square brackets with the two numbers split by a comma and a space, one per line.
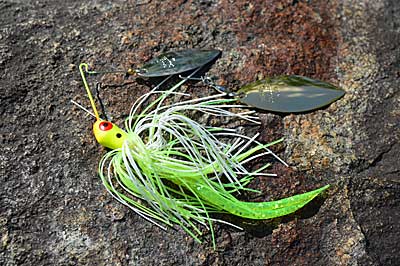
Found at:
[170, 169]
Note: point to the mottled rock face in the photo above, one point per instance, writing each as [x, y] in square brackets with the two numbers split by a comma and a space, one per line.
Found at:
[54, 210]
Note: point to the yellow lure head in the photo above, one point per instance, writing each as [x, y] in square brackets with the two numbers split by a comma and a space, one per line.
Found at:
[106, 133]
[109, 135]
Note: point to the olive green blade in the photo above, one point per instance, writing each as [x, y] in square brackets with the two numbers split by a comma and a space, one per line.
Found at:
[289, 94]
[172, 63]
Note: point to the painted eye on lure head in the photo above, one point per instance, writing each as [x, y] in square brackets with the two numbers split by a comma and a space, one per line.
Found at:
[173, 170]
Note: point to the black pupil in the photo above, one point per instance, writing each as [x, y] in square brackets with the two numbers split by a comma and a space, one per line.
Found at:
[119, 135]
[105, 124]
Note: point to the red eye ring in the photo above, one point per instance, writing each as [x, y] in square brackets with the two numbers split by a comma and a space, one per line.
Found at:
[105, 125]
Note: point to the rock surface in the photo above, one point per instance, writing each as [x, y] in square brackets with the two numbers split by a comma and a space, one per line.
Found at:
[53, 208]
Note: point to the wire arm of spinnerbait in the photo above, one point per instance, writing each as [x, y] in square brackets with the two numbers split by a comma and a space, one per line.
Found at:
[103, 108]
[130, 71]
[83, 68]
[209, 82]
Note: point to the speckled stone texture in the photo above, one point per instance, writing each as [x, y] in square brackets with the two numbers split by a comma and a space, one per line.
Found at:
[53, 208]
